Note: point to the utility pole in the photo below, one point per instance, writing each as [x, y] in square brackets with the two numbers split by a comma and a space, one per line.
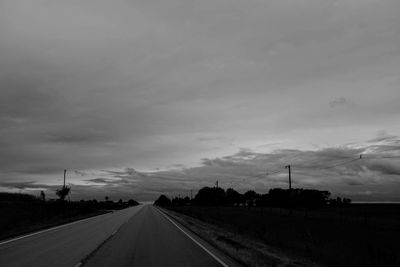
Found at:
[290, 176]
[191, 194]
[65, 171]
[216, 183]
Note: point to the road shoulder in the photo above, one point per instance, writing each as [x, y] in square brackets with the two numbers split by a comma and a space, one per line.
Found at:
[209, 247]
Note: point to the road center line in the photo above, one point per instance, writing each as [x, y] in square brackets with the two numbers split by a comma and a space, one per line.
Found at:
[195, 241]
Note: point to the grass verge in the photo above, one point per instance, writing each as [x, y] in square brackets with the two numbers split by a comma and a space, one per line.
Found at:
[27, 228]
[360, 235]
[244, 250]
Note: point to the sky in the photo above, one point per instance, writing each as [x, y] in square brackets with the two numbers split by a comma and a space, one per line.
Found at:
[140, 98]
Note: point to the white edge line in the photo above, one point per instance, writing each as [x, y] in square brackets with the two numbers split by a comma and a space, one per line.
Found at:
[49, 229]
[194, 240]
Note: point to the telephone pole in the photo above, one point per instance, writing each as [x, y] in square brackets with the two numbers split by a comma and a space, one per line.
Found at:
[290, 176]
[191, 194]
[65, 171]
[216, 183]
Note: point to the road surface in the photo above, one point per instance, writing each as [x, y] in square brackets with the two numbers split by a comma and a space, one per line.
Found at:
[66, 245]
[137, 236]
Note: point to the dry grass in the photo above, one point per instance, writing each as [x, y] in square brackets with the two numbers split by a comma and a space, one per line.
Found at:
[244, 250]
[360, 235]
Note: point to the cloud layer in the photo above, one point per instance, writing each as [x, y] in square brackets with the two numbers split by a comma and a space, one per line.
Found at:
[157, 85]
[373, 177]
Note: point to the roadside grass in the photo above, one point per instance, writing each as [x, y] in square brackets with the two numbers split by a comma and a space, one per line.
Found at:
[22, 218]
[23, 213]
[359, 235]
[246, 251]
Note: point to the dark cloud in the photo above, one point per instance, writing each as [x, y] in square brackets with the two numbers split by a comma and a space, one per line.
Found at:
[340, 101]
[101, 180]
[383, 136]
[80, 173]
[389, 166]
[329, 168]
[79, 138]
[353, 182]
[27, 185]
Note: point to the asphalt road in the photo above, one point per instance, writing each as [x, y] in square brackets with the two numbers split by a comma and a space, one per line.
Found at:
[150, 239]
[137, 236]
[66, 245]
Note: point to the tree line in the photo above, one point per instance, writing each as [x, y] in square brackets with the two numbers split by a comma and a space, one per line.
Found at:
[276, 197]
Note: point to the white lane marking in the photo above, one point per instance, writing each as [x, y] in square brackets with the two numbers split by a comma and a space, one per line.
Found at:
[195, 241]
[50, 229]
[79, 264]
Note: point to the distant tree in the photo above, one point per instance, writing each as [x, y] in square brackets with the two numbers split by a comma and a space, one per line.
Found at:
[132, 202]
[311, 198]
[16, 197]
[186, 201]
[250, 197]
[63, 192]
[346, 201]
[163, 201]
[339, 202]
[233, 197]
[120, 201]
[210, 196]
[42, 196]
[263, 201]
[106, 198]
[179, 201]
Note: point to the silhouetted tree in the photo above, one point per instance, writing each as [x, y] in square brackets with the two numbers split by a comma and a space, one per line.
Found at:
[339, 202]
[346, 201]
[63, 192]
[163, 200]
[250, 197]
[186, 201]
[233, 197]
[210, 196]
[311, 198]
[263, 201]
[276, 197]
[132, 202]
[42, 196]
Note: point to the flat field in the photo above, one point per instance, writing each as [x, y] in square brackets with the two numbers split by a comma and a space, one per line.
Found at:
[358, 235]
[19, 218]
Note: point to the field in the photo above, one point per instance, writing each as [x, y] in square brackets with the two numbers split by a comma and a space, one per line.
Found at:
[358, 235]
[22, 213]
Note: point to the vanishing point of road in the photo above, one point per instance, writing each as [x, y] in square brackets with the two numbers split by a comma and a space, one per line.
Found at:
[141, 236]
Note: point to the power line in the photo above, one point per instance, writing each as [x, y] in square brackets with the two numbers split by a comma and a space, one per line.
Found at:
[281, 169]
[384, 157]
[320, 167]
[338, 164]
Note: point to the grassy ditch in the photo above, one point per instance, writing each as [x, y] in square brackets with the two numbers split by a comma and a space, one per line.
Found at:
[359, 235]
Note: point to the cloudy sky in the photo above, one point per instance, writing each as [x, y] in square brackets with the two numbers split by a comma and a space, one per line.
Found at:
[143, 97]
